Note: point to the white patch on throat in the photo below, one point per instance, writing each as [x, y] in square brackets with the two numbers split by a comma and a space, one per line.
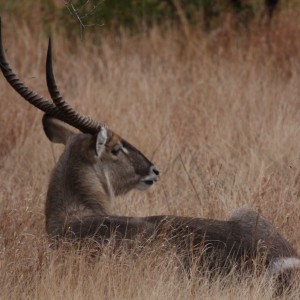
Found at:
[125, 150]
[110, 189]
[282, 264]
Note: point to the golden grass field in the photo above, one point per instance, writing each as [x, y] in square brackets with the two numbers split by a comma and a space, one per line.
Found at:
[219, 115]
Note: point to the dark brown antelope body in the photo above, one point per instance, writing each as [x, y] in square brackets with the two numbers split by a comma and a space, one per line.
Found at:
[98, 165]
[245, 236]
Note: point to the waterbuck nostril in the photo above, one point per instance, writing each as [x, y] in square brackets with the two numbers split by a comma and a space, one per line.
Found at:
[154, 170]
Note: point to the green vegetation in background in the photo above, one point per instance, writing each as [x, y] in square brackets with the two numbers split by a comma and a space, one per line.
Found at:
[135, 12]
[133, 15]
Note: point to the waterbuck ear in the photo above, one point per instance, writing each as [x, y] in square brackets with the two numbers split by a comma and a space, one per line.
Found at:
[55, 130]
[101, 141]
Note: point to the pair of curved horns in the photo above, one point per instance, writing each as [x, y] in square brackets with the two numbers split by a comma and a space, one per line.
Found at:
[59, 108]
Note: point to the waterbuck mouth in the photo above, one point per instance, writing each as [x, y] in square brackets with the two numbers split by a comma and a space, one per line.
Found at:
[147, 181]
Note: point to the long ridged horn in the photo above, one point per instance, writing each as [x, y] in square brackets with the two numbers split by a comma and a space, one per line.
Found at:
[33, 98]
[72, 117]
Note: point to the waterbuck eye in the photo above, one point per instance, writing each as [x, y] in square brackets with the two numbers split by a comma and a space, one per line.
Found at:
[116, 149]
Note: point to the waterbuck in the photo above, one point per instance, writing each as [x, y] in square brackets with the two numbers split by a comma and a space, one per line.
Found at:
[97, 165]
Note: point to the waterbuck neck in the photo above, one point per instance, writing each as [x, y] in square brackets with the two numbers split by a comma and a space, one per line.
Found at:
[77, 188]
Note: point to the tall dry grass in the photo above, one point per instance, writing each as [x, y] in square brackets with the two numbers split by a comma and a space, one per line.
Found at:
[219, 115]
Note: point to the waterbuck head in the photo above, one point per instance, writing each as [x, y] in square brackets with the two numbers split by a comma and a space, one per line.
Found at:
[115, 161]
[96, 165]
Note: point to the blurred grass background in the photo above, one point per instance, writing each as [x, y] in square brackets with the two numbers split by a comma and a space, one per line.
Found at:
[213, 100]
